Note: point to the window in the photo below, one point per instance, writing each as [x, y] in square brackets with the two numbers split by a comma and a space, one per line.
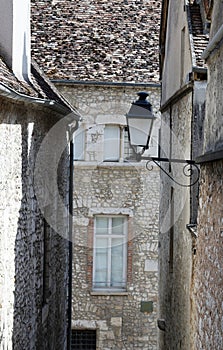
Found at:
[79, 141]
[83, 340]
[110, 252]
[128, 151]
[112, 143]
[116, 144]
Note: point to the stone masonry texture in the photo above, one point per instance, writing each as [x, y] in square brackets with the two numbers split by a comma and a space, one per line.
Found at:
[175, 243]
[208, 275]
[125, 188]
[33, 306]
[207, 306]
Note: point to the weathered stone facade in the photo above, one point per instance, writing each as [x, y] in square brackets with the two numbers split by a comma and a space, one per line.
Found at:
[175, 253]
[207, 278]
[183, 107]
[100, 54]
[117, 316]
[114, 188]
[33, 267]
[34, 185]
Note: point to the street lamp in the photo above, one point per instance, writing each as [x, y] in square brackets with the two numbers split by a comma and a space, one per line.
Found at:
[140, 119]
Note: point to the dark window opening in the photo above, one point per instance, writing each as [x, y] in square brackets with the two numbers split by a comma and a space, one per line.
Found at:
[83, 340]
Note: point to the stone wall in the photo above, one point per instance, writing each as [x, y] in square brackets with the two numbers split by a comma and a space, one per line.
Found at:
[207, 281]
[33, 269]
[134, 193]
[175, 242]
[114, 188]
[213, 135]
[207, 315]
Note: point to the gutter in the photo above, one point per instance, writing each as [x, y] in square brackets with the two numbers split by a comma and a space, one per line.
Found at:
[186, 89]
[210, 157]
[99, 83]
[213, 43]
[55, 106]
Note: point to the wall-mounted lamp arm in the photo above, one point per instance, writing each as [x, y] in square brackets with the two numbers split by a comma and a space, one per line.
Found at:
[189, 169]
[140, 120]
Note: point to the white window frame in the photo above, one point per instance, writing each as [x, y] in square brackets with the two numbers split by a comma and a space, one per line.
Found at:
[122, 155]
[110, 236]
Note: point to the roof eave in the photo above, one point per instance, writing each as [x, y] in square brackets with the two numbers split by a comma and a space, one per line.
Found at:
[8, 92]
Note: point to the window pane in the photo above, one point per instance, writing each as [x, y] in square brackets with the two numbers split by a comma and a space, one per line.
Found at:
[128, 151]
[110, 252]
[101, 262]
[112, 143]
[117, 259]
[118, 226]
[101, 226]
[79, 145]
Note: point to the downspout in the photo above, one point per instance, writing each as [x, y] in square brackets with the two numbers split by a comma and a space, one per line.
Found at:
[69, 325]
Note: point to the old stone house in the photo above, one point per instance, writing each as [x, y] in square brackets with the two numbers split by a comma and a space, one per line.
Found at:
[33, 220]
[99, 55]
[184, 35]
[207, 277]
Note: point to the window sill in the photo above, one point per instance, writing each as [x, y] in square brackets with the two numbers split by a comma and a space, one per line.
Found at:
[98, 164]
[108, 293]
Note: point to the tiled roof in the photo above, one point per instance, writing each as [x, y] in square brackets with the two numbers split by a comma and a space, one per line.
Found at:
[9, 80]
[200, 40]
[39, 86]
[97, 40]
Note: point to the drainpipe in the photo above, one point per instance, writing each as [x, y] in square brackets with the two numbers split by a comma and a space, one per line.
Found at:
[69, 326]
[69, 330]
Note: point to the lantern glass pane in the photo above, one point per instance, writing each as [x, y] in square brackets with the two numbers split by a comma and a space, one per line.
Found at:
[139, 130]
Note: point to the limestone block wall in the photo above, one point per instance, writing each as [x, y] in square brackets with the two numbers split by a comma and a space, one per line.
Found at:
[133, 192]
[175, 242]
[207, 279]
[33, 257]
[114, 188]
[213, 135]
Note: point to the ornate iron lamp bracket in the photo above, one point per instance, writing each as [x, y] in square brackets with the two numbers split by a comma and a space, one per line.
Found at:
[189, 169]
